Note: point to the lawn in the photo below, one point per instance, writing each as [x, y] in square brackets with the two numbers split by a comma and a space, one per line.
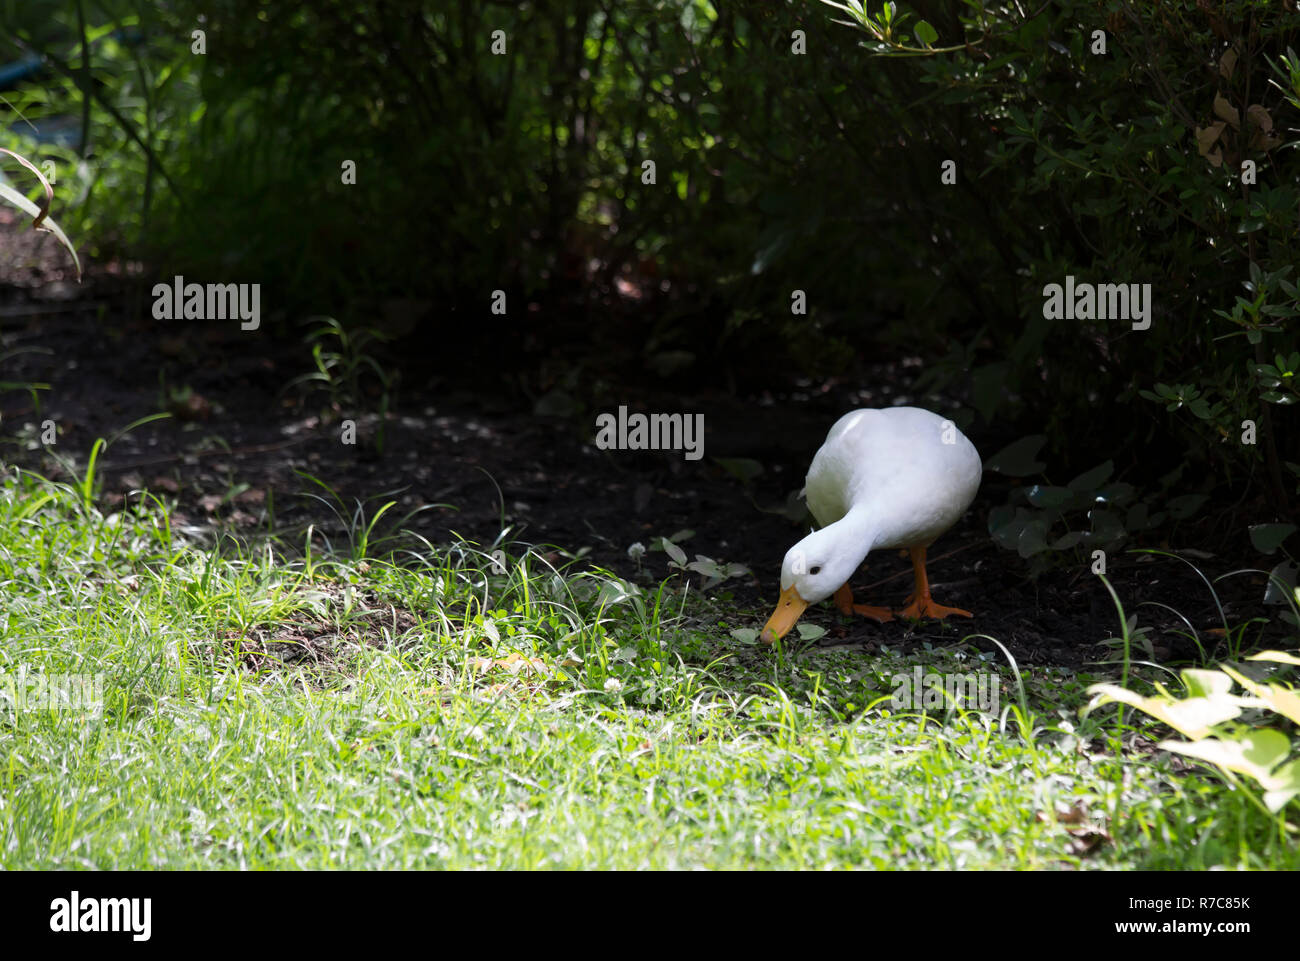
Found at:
[267, 703]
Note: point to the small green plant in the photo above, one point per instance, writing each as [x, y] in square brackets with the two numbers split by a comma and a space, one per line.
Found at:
[714, 572]
[345, 368]
[362, 534]
[1185, 395]
[85, 481]
[886, 28]
[1279, 382]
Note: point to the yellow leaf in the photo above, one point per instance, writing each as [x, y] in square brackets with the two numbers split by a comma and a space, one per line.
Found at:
[1287, 779]
[1285, 702]
[1254, 754]
[1193, 717]
[1282, 657]
[515, 663]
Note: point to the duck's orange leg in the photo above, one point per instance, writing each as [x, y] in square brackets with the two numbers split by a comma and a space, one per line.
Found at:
[844, 601]
[920, 604]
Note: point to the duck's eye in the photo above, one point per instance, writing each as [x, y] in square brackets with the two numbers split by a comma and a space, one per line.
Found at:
[815, 571]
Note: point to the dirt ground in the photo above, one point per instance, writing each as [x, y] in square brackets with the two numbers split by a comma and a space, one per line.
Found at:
[236, 430]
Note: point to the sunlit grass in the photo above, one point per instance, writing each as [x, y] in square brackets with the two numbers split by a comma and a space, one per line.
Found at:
[452, 706]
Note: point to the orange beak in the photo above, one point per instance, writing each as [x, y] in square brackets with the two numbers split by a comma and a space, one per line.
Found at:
[788, 610]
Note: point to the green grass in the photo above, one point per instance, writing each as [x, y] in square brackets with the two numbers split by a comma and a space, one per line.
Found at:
[265, 709]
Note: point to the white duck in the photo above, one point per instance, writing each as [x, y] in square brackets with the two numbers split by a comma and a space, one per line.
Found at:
[893, 477]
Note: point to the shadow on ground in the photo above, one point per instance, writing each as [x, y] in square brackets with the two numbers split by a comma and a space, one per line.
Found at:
[237, 446]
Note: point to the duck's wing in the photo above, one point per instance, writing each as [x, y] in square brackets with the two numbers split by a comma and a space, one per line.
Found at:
[898, 461]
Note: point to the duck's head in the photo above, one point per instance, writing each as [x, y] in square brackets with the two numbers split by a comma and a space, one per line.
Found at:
[812, 571]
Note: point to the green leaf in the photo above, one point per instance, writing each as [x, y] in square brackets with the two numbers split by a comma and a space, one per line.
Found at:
[1049, 497]
[925, 33]
[1020, 458]
[1033, 538]
[1006, 523]
[1115, 494]
[1091, 480]
[1267, 538]
[810, 632]
[1281, 585]
[706, 566]
[1106, 528]
[676, 553]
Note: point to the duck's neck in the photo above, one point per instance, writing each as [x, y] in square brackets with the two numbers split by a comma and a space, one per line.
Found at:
[858, 531]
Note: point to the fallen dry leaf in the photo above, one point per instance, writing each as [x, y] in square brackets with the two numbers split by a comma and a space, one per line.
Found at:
[1206, 137]
[1086, 840]
[515, 663]
[1086, 836]
[1228, 62]
[1226, 111]
[1260, 117]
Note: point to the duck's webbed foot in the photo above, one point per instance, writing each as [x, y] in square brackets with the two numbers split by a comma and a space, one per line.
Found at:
[844, 601]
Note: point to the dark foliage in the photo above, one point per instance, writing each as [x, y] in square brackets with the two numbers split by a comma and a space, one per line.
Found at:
[776, 171]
